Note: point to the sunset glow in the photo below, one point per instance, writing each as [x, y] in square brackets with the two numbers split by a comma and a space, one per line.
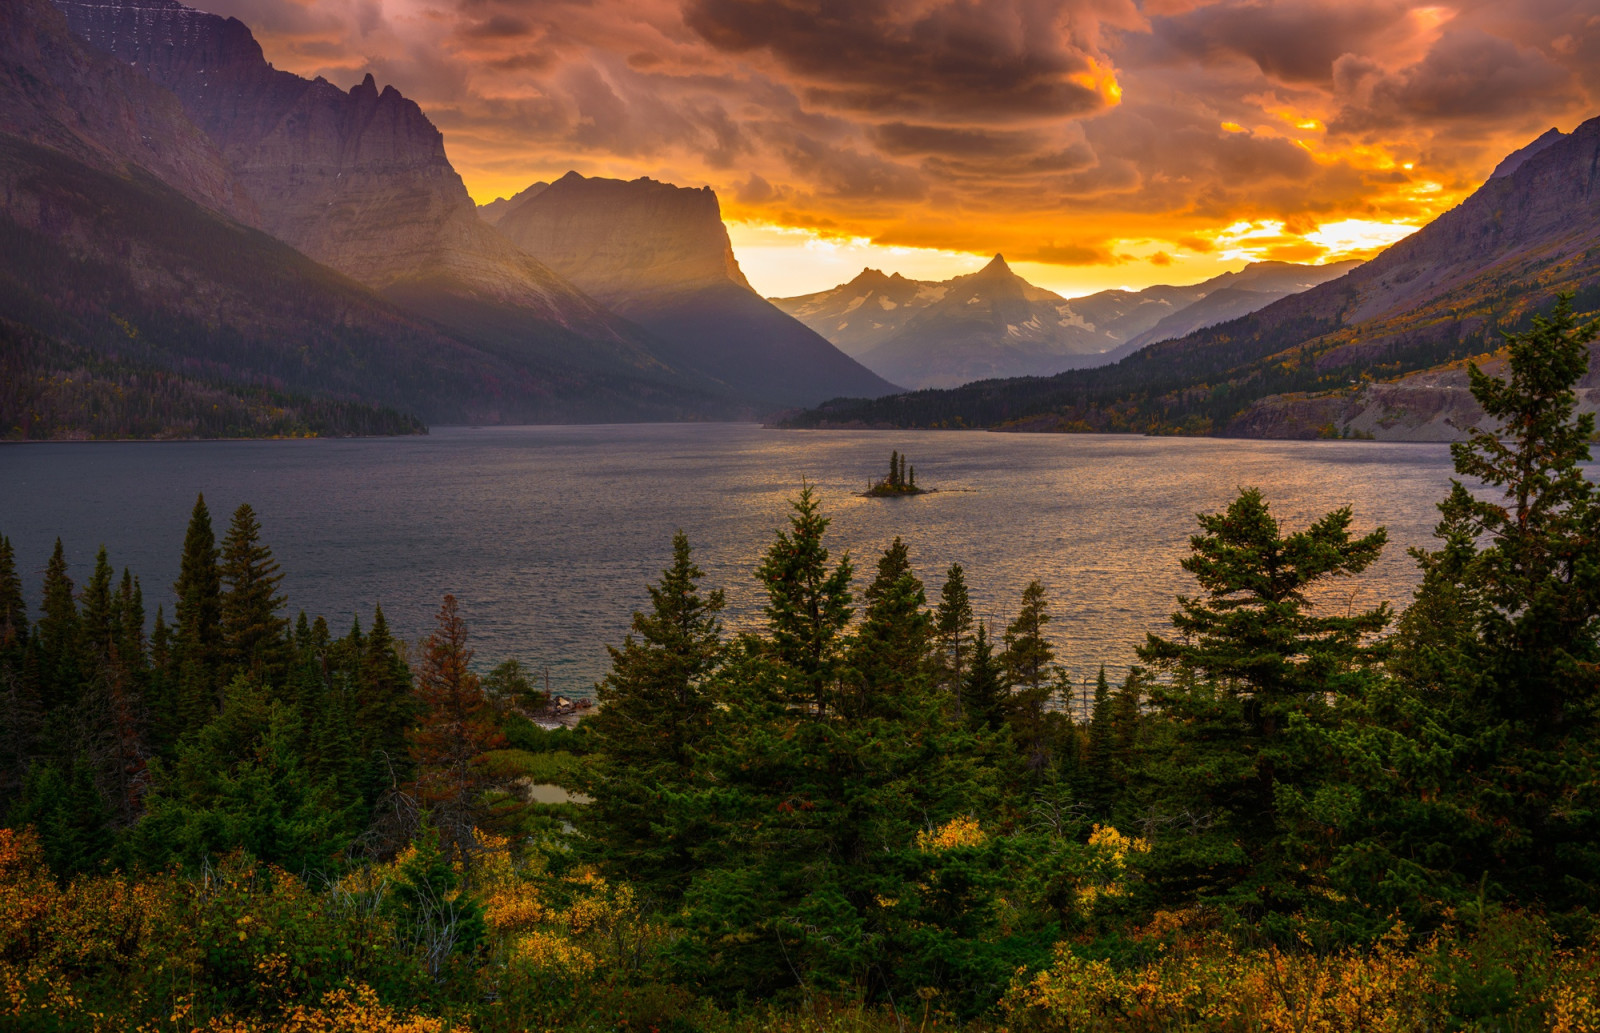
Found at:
[1094, 142]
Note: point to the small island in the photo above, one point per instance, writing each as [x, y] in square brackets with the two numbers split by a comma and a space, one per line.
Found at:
[898, 482]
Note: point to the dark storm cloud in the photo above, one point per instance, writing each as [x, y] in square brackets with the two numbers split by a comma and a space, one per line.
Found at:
[1294, 42]
[1467, 76]
[1004, 59]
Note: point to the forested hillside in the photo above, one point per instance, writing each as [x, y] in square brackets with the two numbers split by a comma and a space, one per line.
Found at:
[871, 811]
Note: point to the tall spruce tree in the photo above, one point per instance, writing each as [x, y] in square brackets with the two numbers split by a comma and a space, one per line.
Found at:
[889, 658]
[984, 694]
[1029, 662]
[252, 630]
[1473, 772]
[386, 708]
[196, 650]
[455, 730]
[1257, 664]
[19, 698]
[808, 606]
[56, 638]
[655, 714]
[952, 629]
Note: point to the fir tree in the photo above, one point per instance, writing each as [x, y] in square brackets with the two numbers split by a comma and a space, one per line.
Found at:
[456, 730]
[984, 697]
[655, 713]
[252, 631]
[890, 653]
[808, 606]
[56, 637]
[1468, 770]
[952, 629]
[1256, 665]
[196, 651]
[386, 708]
[19, 699]
[1028, 661]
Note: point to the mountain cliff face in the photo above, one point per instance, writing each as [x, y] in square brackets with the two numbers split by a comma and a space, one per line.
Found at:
[357, 180]
[73, 99]
[995, 324]
[1300, 367]
[659, 255]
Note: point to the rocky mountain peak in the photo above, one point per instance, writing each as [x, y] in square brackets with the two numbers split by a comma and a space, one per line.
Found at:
[625, 242]
[1513, 161]
[996, 268]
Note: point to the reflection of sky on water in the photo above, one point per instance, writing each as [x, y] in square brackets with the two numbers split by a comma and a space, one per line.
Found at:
[548, 535]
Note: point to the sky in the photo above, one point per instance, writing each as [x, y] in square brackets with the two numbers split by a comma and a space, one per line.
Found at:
[1095, 143]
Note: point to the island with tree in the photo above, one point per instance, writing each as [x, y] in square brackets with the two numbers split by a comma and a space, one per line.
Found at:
[899, 480]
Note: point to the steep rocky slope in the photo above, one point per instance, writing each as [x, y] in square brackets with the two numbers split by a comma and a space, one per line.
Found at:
[995, 324]
[76, 100]
[357, 180]
[659, 255]
[1442, 295]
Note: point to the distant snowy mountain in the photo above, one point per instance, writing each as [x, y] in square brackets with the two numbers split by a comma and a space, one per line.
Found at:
[993, 323]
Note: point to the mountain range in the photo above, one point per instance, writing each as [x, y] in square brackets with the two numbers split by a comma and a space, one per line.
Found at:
[175, 205]
[1378, 352]
[993, 323]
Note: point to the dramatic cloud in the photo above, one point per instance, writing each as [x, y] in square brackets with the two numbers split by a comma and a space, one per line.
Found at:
[1098, 142]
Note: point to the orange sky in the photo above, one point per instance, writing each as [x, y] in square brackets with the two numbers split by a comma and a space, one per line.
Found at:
[1096, 143]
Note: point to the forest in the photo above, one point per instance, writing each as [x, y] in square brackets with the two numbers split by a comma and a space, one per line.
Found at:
[873, 813]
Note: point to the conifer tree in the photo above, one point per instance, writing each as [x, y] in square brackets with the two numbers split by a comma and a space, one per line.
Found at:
[952, 628]
[808, 606]
[253, 632]
[19, 700]
[386, 708]
[983, 692]
[889, 657]
[1468, 769]
[655, 713]
[96, 630]
[455, 731]
[1256, 665]
[1098, 753]
[196, 650]
[56, 637]
[1029, 660]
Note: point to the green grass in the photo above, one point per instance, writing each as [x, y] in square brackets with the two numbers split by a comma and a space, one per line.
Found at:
[543, 768]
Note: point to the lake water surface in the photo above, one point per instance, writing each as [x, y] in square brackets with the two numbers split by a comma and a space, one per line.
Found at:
[549, 535]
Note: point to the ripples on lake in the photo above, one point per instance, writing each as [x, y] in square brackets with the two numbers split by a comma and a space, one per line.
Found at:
[549, 535]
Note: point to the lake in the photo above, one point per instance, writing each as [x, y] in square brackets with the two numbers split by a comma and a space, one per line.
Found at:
[549, 535]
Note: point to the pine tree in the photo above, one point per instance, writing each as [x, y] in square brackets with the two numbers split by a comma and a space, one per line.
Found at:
[1028, 655]
[252, 631]
[1467, 770]
[808, 606]
[56, 638]
[655, 713]
[1256, 667]
[19, 700]
[456, 730]
[196, 651]
[984, 693]
[386, 708]
[1028, 661]
[952, 629]
[889, 657]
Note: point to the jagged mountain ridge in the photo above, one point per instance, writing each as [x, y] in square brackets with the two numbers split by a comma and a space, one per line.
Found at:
[996, 324]
[114, 251]
[660, 255]
[1295, 368]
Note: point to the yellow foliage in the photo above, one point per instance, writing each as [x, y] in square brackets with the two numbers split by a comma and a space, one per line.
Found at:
[958, 832]
[339, 1012]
